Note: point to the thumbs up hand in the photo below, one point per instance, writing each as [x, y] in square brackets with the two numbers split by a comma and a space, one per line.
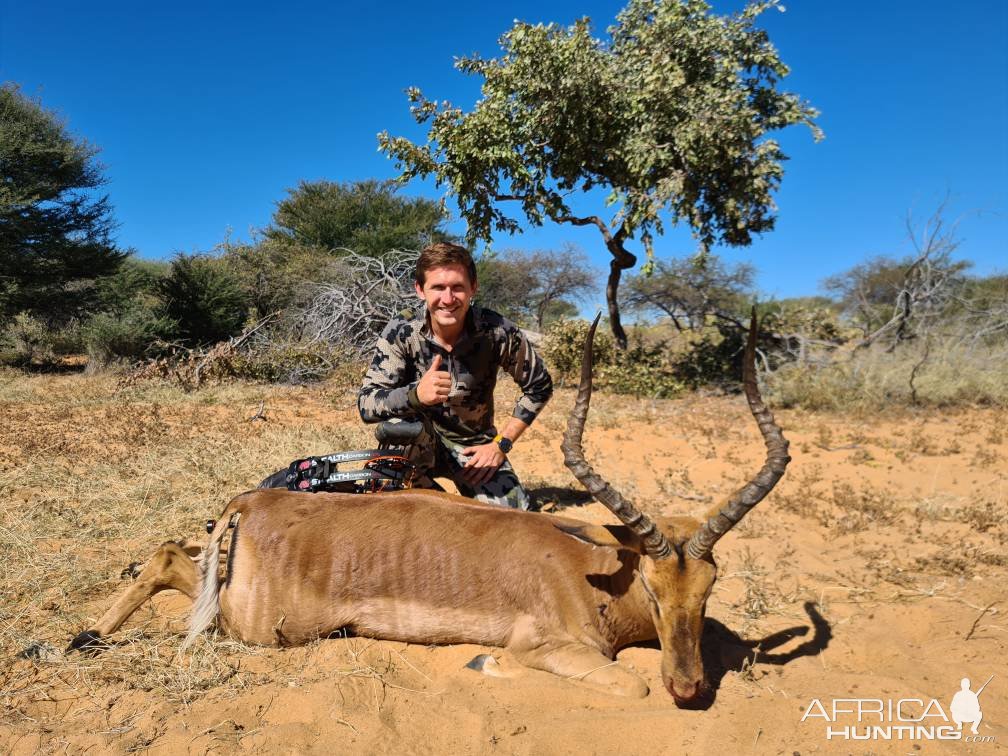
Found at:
[434, 385]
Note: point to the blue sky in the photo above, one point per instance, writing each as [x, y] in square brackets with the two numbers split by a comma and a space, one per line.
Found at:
[206, 113]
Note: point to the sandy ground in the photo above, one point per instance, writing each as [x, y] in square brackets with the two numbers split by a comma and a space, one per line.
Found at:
[875, 571]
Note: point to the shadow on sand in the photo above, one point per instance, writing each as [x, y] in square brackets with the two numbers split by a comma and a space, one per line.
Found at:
[725, 651]
[559, 498]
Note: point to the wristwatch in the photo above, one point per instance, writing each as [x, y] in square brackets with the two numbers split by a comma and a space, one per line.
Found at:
[504, 444]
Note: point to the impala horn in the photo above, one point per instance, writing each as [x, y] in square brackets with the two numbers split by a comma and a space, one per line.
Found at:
[656, 545]
[721, 520]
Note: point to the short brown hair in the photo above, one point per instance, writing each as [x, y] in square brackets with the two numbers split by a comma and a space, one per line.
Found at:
[441, 255]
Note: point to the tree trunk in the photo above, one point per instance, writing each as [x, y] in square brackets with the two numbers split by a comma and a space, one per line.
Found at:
[622, 260]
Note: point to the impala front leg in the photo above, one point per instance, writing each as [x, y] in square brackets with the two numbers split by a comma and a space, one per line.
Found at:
[584, 664]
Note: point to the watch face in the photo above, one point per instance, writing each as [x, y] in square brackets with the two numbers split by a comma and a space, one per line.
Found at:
[505, 445]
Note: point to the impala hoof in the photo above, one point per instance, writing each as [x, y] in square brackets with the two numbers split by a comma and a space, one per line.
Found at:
[484, 663]
[88, 642]
[489, 666]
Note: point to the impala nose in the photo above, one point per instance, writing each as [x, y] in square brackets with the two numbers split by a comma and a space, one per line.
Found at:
[690, 695]
[683, 693]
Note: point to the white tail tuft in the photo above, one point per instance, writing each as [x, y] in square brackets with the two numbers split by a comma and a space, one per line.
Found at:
[207, 606]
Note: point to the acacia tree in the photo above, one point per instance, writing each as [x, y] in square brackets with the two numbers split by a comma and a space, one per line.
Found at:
[688, 291]
[505, 281]
[561, 277]
[534, 287]
[368, 217]
[669, 115]
[983, 303]
[55, 233]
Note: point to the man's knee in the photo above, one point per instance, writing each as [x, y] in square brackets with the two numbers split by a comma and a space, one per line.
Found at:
[504, 490]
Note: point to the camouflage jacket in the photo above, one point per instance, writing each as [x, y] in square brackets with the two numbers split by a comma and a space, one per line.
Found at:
[489, 342]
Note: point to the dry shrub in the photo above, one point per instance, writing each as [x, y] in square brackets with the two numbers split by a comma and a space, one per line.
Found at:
[984, 516]
[27, 337]
[798, 493]
[961, 561]
[862, 509]
[288, 362]
[762, 597]
[361, 296]
[944, 563]
[947, 374]
[920, 443]
[984, 457]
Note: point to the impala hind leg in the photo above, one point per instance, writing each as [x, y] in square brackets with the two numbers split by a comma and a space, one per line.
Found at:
[586, 665]
[172, 566]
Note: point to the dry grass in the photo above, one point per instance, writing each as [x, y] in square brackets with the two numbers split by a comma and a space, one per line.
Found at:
[93, 478]
[953, 375]
[861, 509]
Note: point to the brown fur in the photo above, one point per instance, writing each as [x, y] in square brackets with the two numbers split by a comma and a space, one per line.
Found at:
[430, 567]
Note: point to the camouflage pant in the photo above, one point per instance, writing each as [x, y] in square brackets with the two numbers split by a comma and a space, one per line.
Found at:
[436, 456]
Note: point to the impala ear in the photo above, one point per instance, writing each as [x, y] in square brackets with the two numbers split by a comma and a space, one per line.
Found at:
[607, 536]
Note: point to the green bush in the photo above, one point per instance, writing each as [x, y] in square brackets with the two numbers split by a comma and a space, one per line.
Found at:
[26, 339]
[108, 338]
[712, 357]
[204, 299]
[643, 369]
[275, 274]
[29, 340]
[633, 376]
[563, 344]
[136, 283]
[68, 340]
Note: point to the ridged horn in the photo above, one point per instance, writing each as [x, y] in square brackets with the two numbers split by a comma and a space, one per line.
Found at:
[724, 519]
[655, 544]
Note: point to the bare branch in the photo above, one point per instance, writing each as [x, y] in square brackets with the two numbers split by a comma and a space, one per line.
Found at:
[366, 293]
[924, 291]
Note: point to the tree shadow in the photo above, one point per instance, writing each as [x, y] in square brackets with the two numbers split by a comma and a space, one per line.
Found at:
[559, 498]
[51, 368]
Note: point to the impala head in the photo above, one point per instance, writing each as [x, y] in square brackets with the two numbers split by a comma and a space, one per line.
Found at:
[676, 569]
[677, 589]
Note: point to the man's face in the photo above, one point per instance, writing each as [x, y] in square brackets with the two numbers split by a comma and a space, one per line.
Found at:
[447, 292]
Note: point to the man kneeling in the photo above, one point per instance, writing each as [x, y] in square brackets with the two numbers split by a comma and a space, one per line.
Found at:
[442, 368]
